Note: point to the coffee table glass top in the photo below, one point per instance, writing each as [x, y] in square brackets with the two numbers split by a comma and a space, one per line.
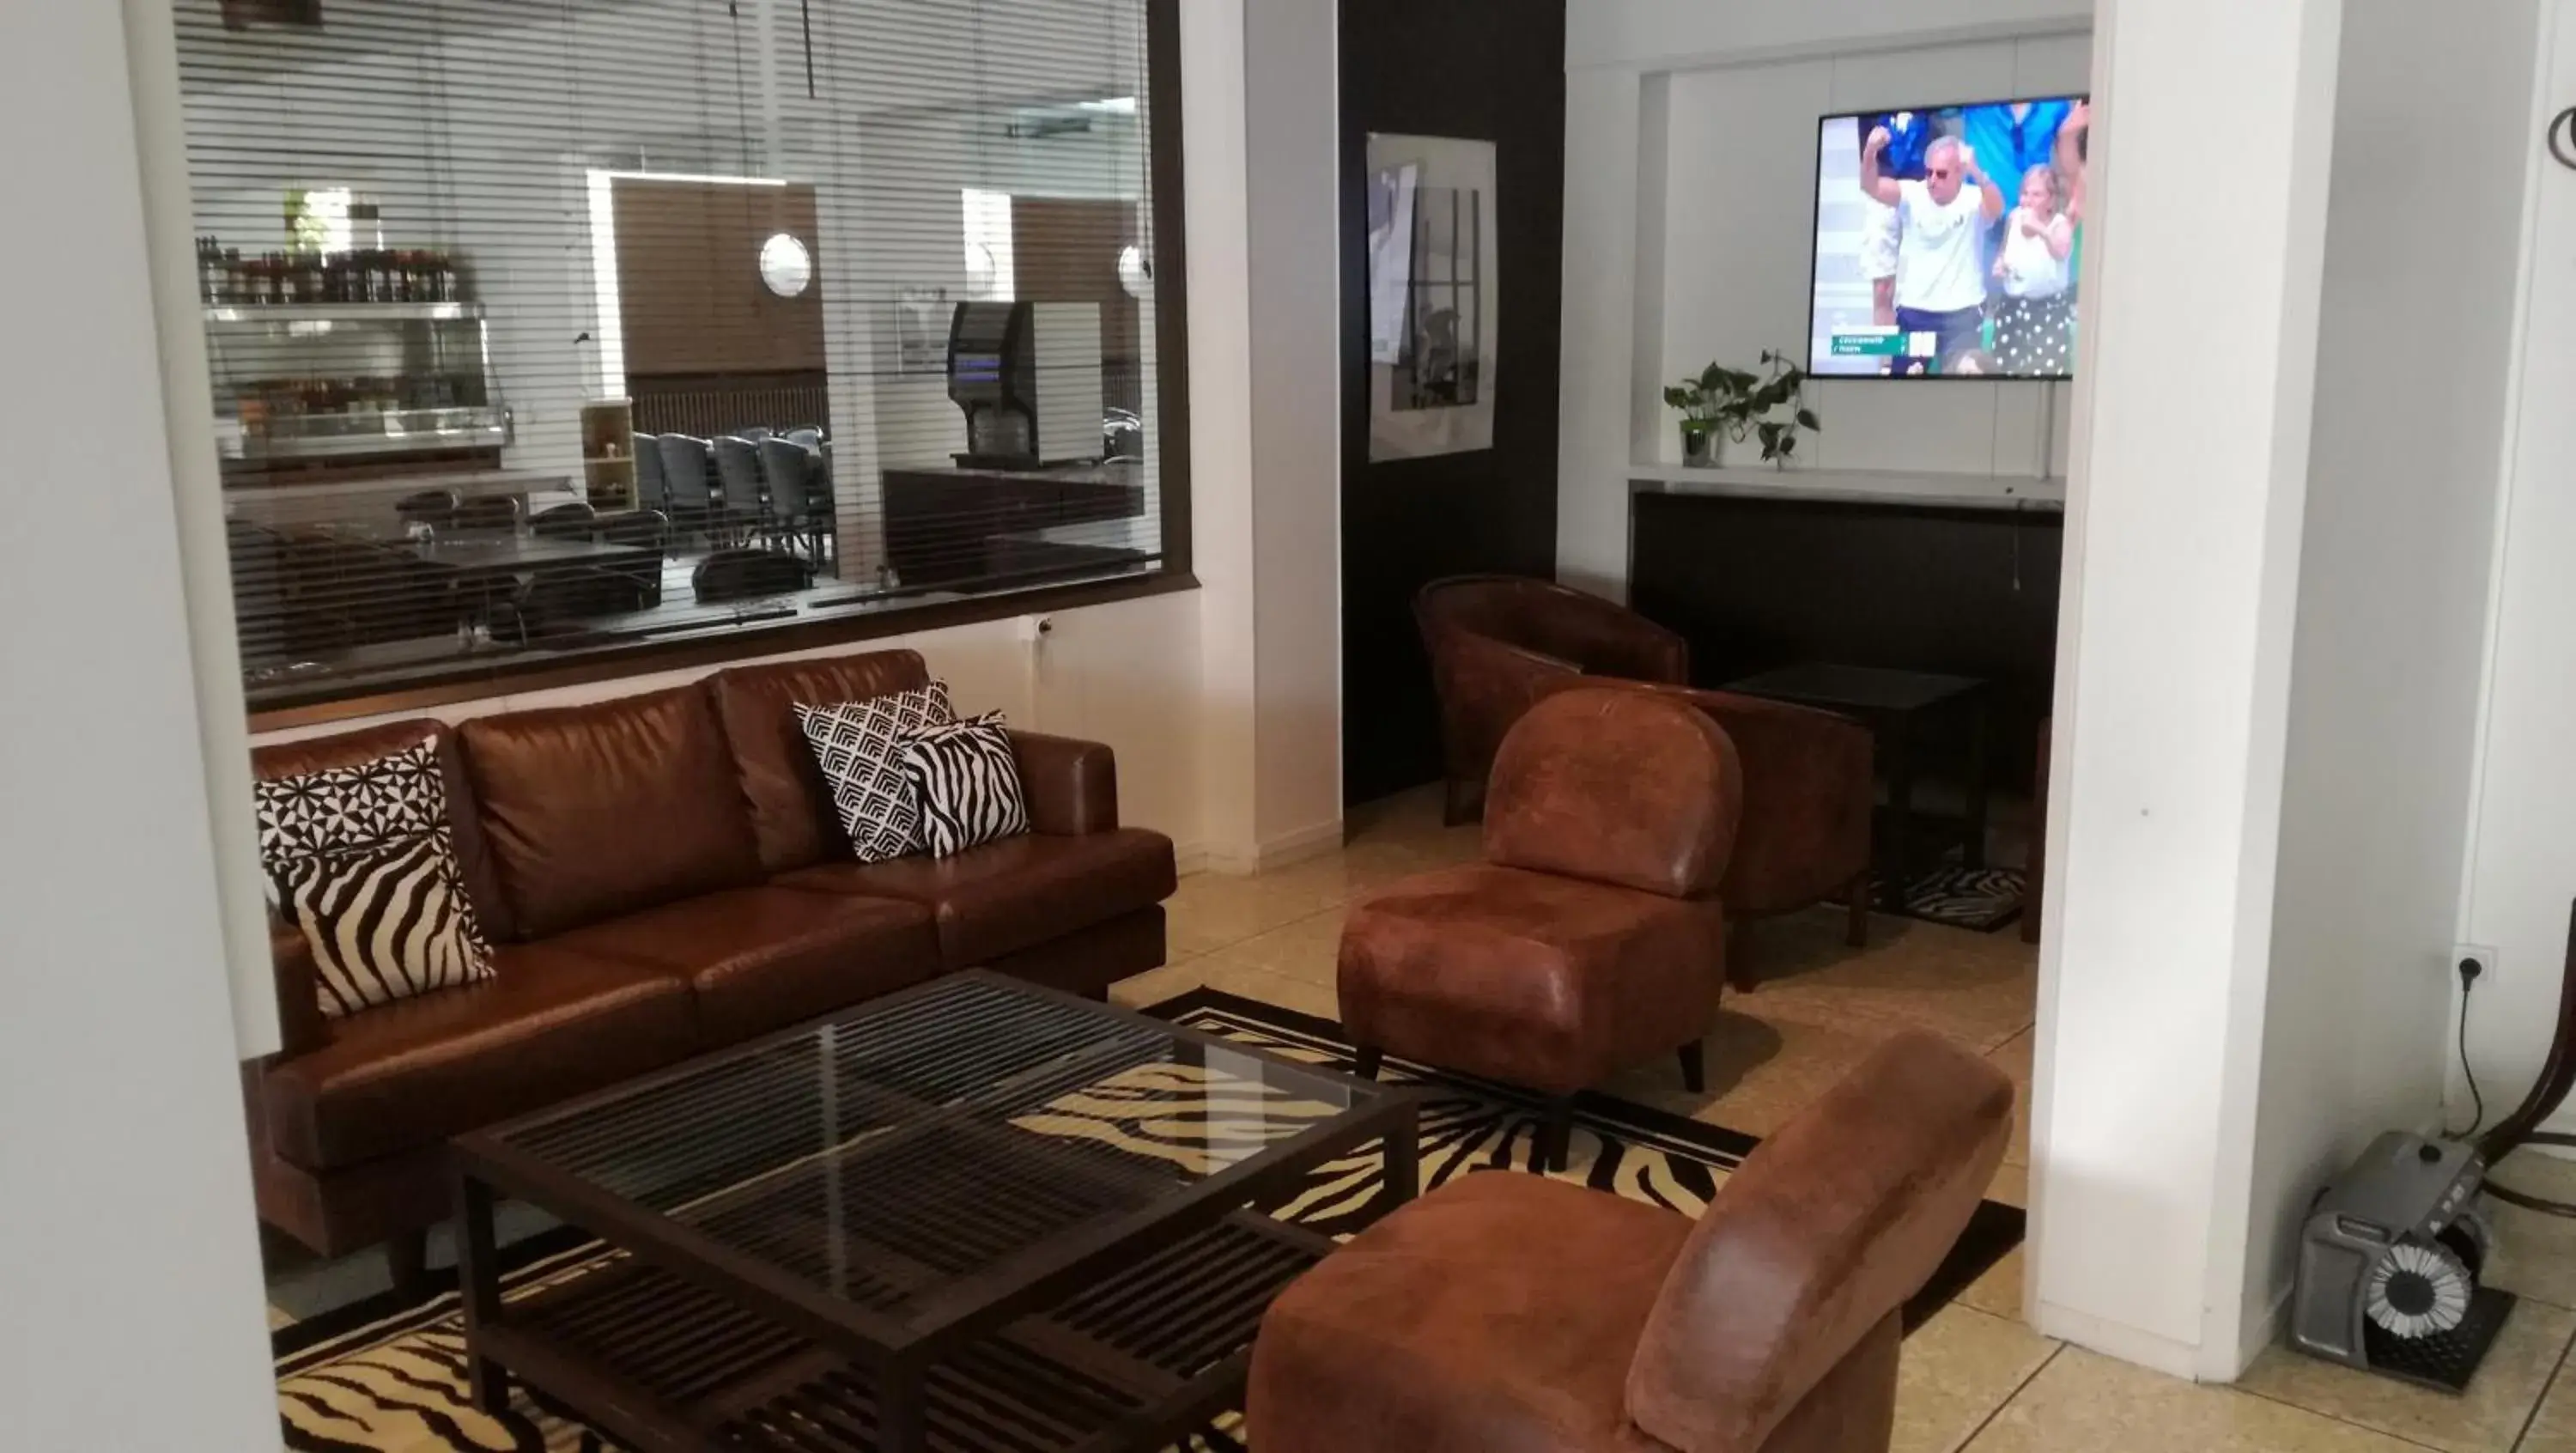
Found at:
[904, 1155]
[1856, 688]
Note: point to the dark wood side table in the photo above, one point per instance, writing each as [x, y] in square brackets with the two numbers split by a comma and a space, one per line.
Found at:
[1898, 707]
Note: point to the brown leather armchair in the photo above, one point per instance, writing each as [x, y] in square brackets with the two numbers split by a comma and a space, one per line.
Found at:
[1497, 642]
[1591, 938]
[1510, 1314]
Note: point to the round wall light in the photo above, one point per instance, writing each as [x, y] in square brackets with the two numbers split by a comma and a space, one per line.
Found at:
[785, 266]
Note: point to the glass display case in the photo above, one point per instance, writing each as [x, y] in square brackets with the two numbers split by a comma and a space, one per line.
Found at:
[328, 381]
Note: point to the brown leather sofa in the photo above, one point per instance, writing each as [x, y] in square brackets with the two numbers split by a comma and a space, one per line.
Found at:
[1511, 1314]
[1499, 644]
[661, 875]
[1498, 641]
[1591, 937]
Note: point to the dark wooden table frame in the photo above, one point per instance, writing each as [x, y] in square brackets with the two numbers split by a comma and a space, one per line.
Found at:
[900, 1354]
[1895, 730]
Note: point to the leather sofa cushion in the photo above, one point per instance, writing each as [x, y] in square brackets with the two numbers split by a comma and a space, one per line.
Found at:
[791, 805]
[760, 959]
[599, 810]
[550, 1025]
[1008, 895]
[1495, 1315]
[1548, 982]
[349, 749]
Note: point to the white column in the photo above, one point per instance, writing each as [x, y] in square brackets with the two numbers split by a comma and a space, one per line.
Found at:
[2201, 286]
[131, 1248]
[1261, 109]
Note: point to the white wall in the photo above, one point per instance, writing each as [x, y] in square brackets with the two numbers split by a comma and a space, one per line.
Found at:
[130, 1245]
[1682, 118]
[2393, 577]
[2521, 864]
[2173, 682]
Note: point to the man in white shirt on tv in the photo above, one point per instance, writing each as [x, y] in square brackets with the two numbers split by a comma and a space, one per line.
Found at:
[1940, 264]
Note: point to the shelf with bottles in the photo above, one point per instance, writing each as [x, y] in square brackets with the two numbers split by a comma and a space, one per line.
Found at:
[368, 277]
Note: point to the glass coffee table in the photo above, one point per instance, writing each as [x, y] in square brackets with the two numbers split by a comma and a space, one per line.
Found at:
[977, 1214]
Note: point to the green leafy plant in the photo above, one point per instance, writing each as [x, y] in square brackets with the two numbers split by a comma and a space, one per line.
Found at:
[1743, 405]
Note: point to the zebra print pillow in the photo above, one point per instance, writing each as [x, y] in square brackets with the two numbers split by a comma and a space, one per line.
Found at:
[859, 747]
[968, 783]
[361, 860]
[385, 922]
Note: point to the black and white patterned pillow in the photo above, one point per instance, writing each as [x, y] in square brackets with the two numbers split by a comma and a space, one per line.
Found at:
[391, 799]
[969, 784]
[859, 746]
[385, 922]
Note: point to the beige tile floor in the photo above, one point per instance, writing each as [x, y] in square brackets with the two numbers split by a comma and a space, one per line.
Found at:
[1975, 1377]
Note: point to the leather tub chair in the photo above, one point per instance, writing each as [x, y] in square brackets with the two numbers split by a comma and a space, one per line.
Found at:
[1496, 643]
[1591, 938]
[1808, 799]
[1512, 1314]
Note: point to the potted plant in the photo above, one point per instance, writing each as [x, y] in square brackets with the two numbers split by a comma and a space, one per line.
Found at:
[1738, 404]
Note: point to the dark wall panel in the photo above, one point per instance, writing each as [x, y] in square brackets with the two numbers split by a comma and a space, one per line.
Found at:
[1490, 70]
[1761, 583]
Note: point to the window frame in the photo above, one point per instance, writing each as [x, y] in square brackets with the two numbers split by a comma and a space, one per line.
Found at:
[326, 702]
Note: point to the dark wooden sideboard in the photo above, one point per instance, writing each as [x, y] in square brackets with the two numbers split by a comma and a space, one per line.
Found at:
[1758, 581]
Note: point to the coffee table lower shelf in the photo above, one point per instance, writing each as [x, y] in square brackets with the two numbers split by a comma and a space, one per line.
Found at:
[1132, 1362]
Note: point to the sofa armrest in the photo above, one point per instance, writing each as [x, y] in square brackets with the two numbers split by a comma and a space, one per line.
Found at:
[300, 1028]
[1071, 785]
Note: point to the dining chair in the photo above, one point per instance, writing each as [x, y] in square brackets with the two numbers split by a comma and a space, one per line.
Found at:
[688, 483]
[649, 492]
[743, 494]
[791, 471]
[572, 521]
[640, 530]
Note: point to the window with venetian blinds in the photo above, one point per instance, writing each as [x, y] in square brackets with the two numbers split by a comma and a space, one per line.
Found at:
[551, 333]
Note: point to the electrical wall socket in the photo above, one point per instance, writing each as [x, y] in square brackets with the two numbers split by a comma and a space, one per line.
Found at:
[2485, 956]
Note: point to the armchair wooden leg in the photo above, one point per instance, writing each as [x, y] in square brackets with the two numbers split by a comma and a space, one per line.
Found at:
[407, 1258]
[1857, 933]
[1458, 805]
[1739, 957]
[1694, 1058]
[1554, 1147]
[1365, 1065]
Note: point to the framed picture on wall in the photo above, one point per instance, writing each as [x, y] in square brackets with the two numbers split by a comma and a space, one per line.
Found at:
[1433, 272]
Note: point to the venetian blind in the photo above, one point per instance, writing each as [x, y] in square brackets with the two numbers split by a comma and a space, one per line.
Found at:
[543, 328]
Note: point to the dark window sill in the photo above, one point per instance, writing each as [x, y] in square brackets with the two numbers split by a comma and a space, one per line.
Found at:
[522, 672]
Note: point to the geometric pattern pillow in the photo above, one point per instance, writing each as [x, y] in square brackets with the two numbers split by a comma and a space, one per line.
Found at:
[859, 746]
[969, 784]
[391, 799]
[385, 922]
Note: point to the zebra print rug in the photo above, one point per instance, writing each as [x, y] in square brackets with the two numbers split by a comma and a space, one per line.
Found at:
[389, 1377]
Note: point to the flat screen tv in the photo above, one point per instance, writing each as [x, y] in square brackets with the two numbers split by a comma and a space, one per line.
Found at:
[1950, 241]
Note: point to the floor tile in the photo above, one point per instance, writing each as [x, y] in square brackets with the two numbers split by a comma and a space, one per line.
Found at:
[1958, 1369]
[2011, 1186]
[2535, 1251]
[2084, 1403]
[2014, 1059]
[1760, 1071]
[1980, 989]
[1268, 988]
[1211, 911]
[1307, 949]
[1145, 990]
[2486, 1420]
[1999, 1292]
[2554, 1430]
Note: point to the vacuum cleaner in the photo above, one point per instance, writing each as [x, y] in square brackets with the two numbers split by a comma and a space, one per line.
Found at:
[2391, 1254]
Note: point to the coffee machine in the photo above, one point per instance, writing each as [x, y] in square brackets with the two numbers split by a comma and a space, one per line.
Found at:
[1028, 377]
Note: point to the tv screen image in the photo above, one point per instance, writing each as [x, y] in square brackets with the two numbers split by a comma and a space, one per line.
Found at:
[1950, 241]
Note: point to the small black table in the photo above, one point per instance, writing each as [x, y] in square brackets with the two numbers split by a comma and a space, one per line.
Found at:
[1896, 706]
